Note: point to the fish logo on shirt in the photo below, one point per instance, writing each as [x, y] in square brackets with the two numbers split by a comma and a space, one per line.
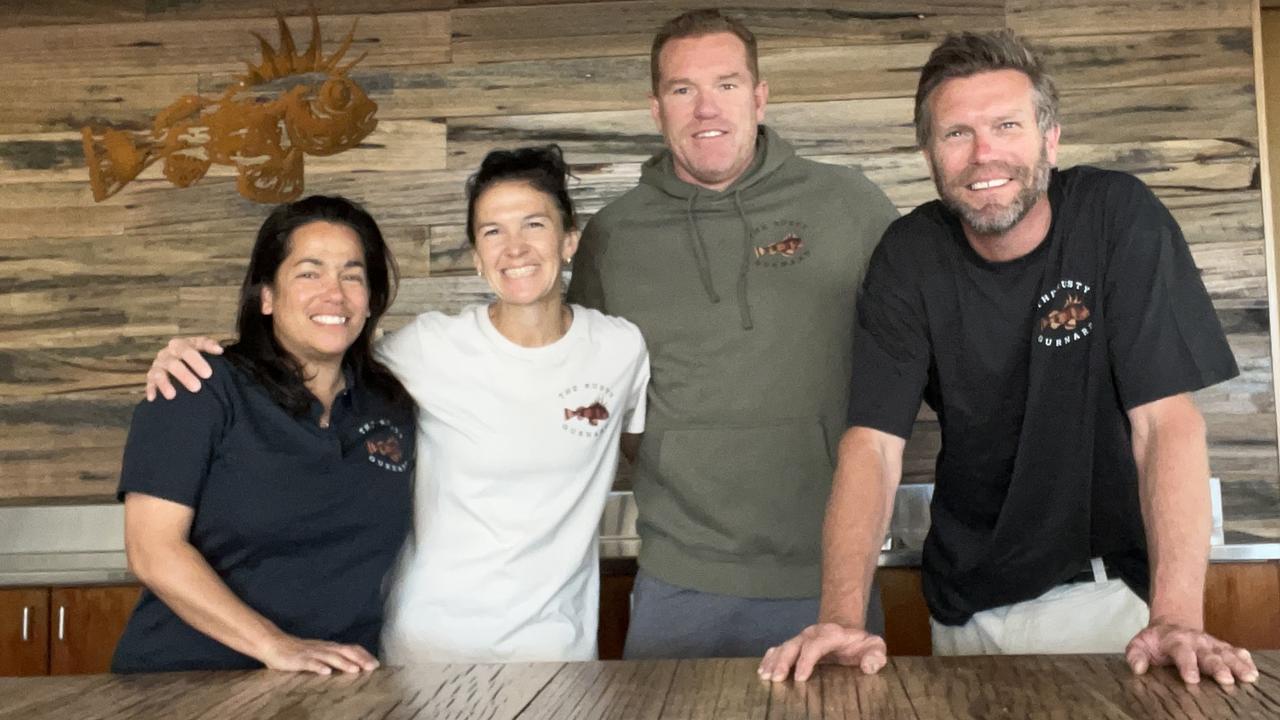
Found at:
[595, 413]
[1065, 317]
[583, 409]
[384, 444]
[788, 246]
[1072, 313]
[388, 448]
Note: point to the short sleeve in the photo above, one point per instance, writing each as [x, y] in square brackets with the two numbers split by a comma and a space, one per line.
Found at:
[585, 287]
[890, 344]
[1163, 335]
[171, 443]
[401, 351]
[638, 398]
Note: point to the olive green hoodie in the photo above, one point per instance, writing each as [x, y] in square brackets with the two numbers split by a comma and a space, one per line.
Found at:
[745, 298]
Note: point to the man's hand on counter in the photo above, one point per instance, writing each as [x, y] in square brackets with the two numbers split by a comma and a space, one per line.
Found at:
[824, 641]
[1192, 652]
[180, 360]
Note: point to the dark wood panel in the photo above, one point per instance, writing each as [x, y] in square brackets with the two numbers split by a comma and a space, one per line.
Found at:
[24, 632]
[1242, 607]
[615, 614]
[85, 625]
[906, 616]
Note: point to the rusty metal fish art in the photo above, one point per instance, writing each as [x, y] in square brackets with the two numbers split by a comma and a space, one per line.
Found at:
[1073, 313]
[257, 126]
[788, 246]
[595, 413]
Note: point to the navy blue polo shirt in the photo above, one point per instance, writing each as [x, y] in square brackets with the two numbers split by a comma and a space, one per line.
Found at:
[302, 523]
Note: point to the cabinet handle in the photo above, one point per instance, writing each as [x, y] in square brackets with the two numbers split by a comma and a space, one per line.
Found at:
[62, 621]
[26, 624]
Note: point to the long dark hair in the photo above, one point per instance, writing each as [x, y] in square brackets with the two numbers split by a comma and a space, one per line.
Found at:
[542, 167]
[258, 352]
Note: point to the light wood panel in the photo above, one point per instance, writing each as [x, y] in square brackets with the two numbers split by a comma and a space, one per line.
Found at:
[626, 28]
[115, 50]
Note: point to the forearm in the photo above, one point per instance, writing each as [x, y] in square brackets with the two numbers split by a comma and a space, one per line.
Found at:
[183, 579]
[857, 518]
[1173, 470]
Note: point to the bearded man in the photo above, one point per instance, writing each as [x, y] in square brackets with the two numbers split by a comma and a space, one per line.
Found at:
[1057, 324]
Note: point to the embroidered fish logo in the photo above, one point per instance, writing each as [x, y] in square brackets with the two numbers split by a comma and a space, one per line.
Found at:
[1073, 313]
[788, 246]
[389, 448]
[595, 413]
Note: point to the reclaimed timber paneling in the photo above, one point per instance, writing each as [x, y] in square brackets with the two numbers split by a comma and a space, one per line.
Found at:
[626, 28]
[117, 50]
[26, 13]
[66, 104]
[398, 145]
[1099, 17]
[89, 291]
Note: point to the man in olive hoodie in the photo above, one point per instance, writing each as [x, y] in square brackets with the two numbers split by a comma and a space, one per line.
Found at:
[739, 261]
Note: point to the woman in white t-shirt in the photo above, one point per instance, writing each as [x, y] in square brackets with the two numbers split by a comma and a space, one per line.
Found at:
[522, 405]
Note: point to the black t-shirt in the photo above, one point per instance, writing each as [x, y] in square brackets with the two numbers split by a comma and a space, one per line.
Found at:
[302, 523]
[1031, 366]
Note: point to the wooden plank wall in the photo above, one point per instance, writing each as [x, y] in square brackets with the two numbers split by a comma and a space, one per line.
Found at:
[89, 291]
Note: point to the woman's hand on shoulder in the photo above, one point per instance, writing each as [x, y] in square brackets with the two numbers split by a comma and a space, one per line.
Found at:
[180, 360]
[293, 654]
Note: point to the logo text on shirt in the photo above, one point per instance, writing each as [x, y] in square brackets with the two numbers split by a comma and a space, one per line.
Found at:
[586, 408]
[384, 443]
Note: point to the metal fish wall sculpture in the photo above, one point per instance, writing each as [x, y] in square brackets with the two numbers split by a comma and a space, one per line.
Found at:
[262, 131]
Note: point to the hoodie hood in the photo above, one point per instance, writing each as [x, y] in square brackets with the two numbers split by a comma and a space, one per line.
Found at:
[659, 172]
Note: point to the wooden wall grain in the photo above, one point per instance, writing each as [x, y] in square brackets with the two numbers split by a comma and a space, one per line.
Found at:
[89, 291]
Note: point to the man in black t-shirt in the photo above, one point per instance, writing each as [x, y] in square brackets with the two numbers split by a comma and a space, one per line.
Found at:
[1056, 323]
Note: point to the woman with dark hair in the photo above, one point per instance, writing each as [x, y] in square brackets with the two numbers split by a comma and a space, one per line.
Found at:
[264, 512]
[522, 405]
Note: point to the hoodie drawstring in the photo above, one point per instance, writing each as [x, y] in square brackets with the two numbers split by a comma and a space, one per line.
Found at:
[744, 308]
[700, 251]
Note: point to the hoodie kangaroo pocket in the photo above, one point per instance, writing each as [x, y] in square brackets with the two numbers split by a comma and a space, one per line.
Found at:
[753, 490]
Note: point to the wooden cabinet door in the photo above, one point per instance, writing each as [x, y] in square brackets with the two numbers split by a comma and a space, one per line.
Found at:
[1242, 604]
[85, 623]
[906, 617]
[24, 631]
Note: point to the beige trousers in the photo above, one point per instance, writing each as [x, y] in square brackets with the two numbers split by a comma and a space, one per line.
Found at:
[1083, 617]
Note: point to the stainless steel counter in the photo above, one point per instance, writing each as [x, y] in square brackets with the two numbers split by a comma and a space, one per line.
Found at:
[84, 544]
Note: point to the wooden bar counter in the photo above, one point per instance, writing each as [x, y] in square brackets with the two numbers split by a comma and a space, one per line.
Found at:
[1079, 686]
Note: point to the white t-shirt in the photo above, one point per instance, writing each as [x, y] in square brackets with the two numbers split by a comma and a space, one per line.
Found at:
[517, 449]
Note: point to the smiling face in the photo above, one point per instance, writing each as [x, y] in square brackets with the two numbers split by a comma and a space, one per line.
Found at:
[989, 160]
[708, 108]
[319, 298]
[521, 243]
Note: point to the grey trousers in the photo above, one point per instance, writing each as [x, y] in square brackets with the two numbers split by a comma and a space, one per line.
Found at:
[675, 622]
